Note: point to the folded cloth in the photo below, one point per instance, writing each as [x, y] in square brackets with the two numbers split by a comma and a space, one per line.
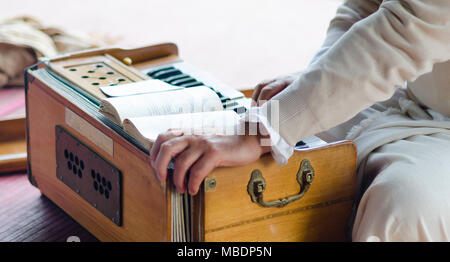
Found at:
[23, 40]
[386, 122]
[393, 120]
[13, 60]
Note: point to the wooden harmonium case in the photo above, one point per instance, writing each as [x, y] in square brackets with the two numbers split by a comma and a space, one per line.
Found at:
[100, 175]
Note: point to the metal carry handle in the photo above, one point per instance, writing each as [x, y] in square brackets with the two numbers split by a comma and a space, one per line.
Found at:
[257, 185]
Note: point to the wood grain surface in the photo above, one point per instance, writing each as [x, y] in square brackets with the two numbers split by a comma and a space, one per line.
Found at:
[143, 198]
[321, 215]
[13, 147]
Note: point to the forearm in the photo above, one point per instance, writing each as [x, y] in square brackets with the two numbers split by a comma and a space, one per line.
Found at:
[350, 12]
[401, 41]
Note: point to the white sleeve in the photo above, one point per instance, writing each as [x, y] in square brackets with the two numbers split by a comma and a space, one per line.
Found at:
[399, 42]
[347, 14]
[350, 12]
[281, 150]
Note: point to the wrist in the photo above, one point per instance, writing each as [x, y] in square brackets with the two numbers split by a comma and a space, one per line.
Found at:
[264, 148]
[262, 141]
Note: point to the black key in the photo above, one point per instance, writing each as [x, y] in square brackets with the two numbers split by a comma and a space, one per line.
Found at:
[183, 81]
[224, 99]
[174, 78]
[167, 73]
[196, 83]
[159, 70]
[232, 104]
[300, 144]
[240, 110]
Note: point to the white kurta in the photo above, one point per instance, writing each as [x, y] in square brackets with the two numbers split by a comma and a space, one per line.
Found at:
[372, 48]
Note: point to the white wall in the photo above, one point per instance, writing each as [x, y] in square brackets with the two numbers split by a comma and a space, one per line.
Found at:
[240, 42]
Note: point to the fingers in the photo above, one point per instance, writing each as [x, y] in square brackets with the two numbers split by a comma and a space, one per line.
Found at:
[168, 150]
[182, 164]
[161, 139]
[199, 155]
[271, 90]
[200, 170]
[258, 89]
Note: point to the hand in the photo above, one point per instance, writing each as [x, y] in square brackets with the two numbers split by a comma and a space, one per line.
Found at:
[269, 88]
[200, 154]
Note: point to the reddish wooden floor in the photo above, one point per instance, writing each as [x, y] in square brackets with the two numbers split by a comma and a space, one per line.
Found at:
[28, 216]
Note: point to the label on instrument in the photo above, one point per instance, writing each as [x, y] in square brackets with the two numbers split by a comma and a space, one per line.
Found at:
[89, 131]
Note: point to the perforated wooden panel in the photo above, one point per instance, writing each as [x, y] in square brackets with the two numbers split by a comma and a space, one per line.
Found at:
[91, 73]
[89, 175]
[98, 74]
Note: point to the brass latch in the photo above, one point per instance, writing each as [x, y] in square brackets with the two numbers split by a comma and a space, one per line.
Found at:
[257, 186]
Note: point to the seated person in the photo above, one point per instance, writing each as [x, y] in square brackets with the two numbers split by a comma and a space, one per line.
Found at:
[372, 48]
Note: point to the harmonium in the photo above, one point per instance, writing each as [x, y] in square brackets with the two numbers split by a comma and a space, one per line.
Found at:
[81, 156]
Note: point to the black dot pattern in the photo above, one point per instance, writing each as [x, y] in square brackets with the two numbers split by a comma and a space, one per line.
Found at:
[88, 174]
[74, 164]
[101, 184]
[100, 75]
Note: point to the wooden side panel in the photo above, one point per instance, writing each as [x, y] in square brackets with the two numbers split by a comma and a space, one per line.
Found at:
[13, 146]
[321, 215]
[13, 156]
[12, 129]
[144, 213]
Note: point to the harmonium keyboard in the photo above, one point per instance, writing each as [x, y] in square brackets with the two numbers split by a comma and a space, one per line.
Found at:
[100, 175]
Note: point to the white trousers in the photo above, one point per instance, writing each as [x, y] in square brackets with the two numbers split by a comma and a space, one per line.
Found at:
[407, 185]
[409, 198]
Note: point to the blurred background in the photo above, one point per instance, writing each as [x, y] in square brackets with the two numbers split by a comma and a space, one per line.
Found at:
[238, 42]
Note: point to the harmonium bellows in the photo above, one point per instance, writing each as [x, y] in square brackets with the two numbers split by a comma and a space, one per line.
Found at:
[100, 174]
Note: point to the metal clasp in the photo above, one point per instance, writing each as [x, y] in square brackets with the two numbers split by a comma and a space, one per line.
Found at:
[257, 185]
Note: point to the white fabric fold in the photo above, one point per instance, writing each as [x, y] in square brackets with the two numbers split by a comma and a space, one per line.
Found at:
[281, 151]
[372, 47]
